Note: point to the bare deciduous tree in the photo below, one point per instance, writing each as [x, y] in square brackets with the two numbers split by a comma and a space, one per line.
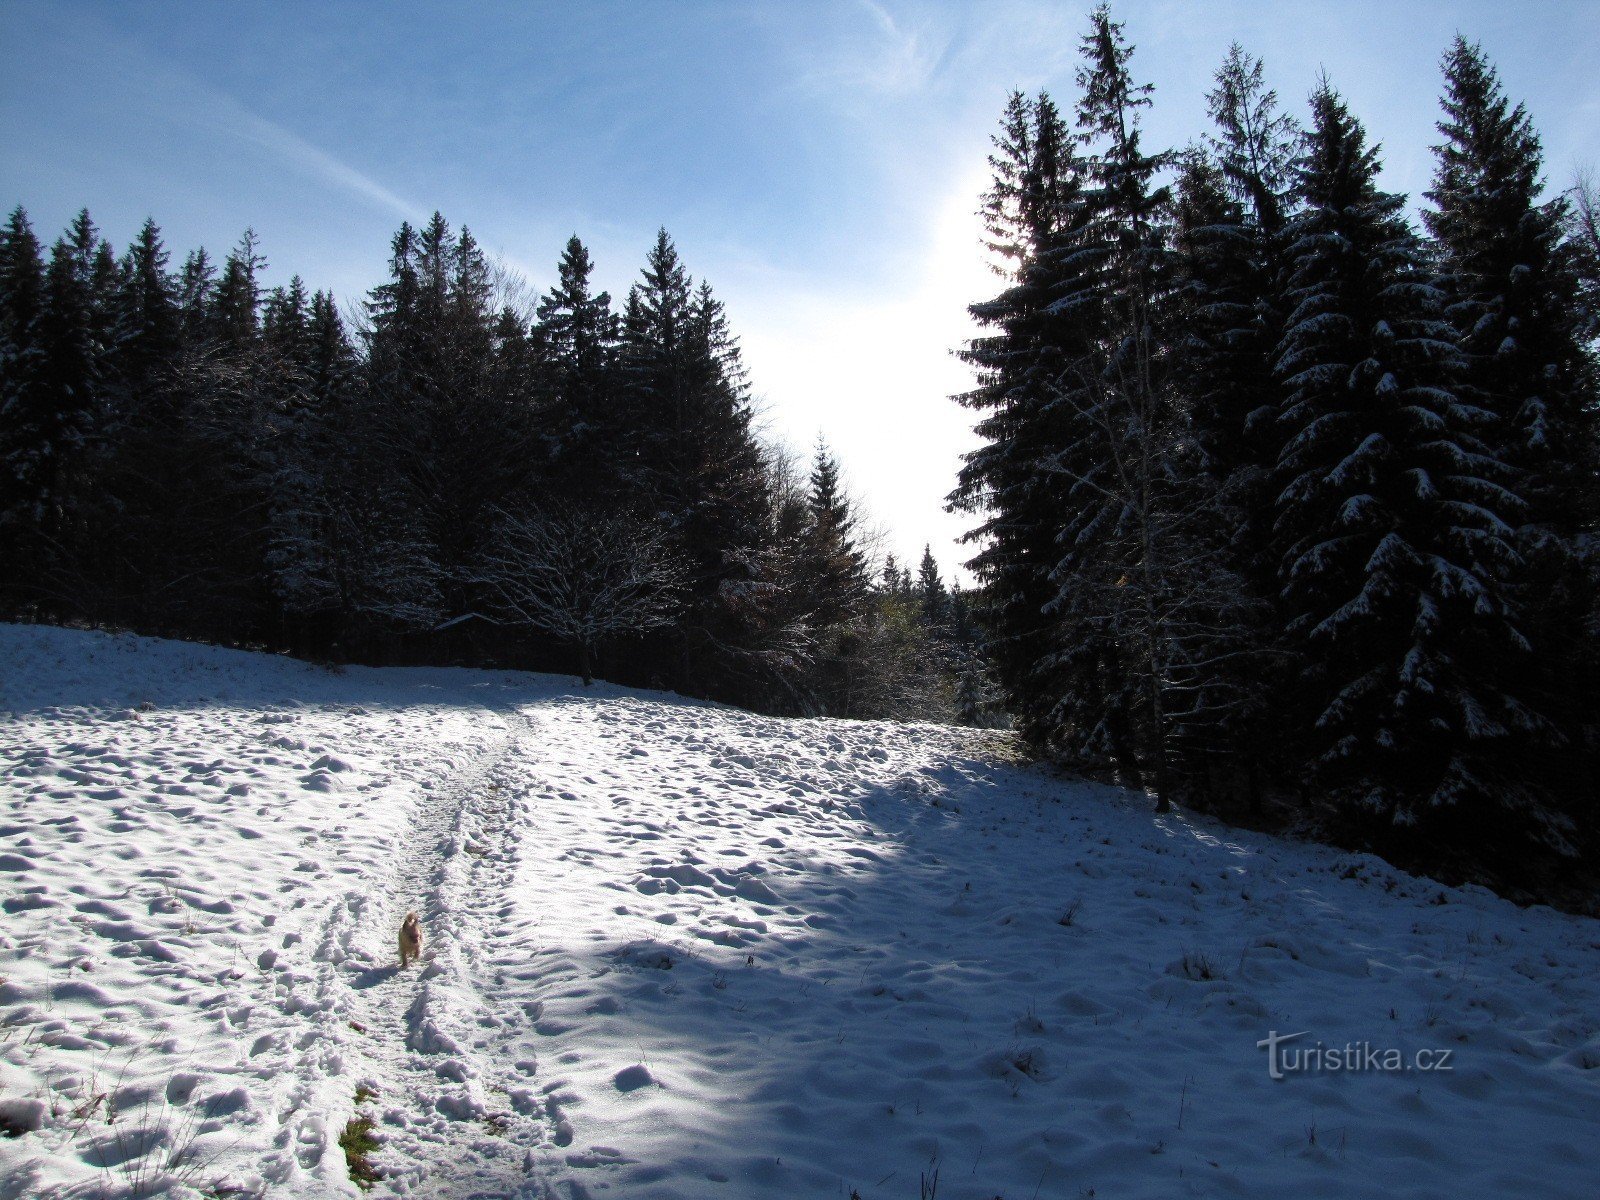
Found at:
[1583, 245]
[1149, 576]
[584, 577]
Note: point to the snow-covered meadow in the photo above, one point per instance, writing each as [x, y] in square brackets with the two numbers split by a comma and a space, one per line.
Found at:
[676, 950]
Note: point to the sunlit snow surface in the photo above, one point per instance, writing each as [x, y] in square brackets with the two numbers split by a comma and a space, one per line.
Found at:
[676, 950]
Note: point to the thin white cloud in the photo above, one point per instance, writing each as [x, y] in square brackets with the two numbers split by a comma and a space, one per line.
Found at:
[233, 118]
[885, 20]
[147, 77]
[901, 61]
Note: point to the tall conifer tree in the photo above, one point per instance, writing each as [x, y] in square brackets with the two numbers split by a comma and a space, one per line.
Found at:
[575, 342]
[1032, 213]
[1395, 551]
[1513, 302]
[1512, 299]
[1114, 401]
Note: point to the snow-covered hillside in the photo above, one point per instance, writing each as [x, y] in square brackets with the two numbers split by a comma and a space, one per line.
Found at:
[676, 950]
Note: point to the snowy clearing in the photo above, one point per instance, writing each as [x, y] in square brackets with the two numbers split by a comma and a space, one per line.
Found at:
[677, 950]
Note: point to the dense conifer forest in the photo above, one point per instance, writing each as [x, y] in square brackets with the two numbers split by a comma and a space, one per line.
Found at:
[456, 474]
[1283, 505]
[1283, 502]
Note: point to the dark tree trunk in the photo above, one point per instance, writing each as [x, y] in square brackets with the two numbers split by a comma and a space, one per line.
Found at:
[1122, 750]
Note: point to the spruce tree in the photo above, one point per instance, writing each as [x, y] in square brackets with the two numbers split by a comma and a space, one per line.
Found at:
[380, 567]
[22, 299]
[690, 456]
[460, 447]
[1512, 298]
[519, 379]
[659, 376]
[1032, 212]
[391, 310]
[236, 307]
[285, 318]
[398, 392]
[834, 573]
[482, 437]
[730, 459]
[30, 437]
[1112, 641]
[1394, 549]
[889, 575]
[963, 632]
[931, 594]
[297, 538]
[75, 341]
[60, 327]
[149, 333]
[197, 289]
[1232, 202]
[185, 418]
[1514, 302]
[575, 343]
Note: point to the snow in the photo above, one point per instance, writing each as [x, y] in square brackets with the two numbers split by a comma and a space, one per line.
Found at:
[677, 950]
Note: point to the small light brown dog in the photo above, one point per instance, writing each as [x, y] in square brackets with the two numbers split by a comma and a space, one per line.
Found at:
[410, 939]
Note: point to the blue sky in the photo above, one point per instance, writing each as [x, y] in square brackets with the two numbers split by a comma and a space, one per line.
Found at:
[818, 162]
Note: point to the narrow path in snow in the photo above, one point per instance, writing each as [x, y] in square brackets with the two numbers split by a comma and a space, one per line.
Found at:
[451, 1119]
